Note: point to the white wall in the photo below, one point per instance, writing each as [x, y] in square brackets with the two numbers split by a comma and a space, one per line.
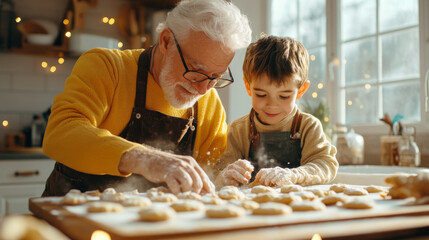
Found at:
[25, 87]
[234, 97]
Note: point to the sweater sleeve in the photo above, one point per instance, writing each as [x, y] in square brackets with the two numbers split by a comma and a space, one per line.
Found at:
[318, 162]
[210, 141]
[74, 135]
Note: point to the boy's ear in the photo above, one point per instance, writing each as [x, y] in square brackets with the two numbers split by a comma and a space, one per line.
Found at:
[247, 86]
[303, 89]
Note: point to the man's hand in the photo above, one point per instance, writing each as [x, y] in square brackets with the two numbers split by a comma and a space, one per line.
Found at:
[237, 172]
[180, 173]
[275, 177]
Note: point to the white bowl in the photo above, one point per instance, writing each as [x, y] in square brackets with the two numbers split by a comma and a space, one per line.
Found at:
[40, 39]
[51, 27]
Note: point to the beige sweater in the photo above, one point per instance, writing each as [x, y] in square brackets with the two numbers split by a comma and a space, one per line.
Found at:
[318, 162]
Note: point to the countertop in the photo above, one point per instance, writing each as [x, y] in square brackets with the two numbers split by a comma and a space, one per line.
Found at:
[22, 154]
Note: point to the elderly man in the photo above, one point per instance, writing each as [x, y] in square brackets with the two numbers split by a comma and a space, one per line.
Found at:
[138, 118]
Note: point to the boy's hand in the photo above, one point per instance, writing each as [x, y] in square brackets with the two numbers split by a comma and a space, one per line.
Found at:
[275, 177]
[237, 172]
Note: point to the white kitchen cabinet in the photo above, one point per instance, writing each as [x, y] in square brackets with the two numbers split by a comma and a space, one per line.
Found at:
[21, 180]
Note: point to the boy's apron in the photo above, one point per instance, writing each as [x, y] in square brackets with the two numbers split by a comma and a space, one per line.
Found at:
[145, 126]
[272, 149]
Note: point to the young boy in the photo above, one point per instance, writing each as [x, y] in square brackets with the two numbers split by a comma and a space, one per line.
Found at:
[281, 144]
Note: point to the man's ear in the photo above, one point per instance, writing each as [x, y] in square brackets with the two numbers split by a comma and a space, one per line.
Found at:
[164, 40]
[303, 89]
[247, 86]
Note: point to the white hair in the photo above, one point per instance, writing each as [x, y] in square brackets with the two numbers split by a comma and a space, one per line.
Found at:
[219, 19]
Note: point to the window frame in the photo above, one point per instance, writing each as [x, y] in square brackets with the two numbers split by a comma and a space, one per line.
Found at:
[334, 49]
[334, 73]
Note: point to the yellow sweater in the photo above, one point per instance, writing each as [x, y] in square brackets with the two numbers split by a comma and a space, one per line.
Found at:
[96, 105]
[318, 162]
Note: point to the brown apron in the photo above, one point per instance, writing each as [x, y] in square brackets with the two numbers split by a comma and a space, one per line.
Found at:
[272, 149]
[145, 126]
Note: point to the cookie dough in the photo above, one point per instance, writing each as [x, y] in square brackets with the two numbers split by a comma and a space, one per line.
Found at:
[355, 191]
[272, 209]
[305, 195]
[166, 197]
[291, 188]
[263, 197]
[156, 214]
[358, 203]
[96, 207]
[246, 204]
[333, 199]
[137, 202]
[189, 195]
[307, 205]
[338, 188]
[112, 197]
[212, 199]
[287, 198]
[261, 189]
[72, 198]
[187, 205]
[231, 193]
[374, 189]
[225, 211]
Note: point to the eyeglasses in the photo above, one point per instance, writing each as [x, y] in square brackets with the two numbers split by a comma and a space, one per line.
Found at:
[195, 76]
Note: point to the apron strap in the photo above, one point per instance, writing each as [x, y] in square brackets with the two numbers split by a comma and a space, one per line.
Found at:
[296, 124]
[254, 135]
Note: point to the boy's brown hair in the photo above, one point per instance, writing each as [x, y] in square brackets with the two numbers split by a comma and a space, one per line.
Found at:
[277, 57]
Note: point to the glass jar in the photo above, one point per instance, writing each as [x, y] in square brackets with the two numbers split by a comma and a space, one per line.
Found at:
[409, 153]
[350, 147]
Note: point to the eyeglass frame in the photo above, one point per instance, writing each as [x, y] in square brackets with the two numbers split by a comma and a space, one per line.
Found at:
[229, 81]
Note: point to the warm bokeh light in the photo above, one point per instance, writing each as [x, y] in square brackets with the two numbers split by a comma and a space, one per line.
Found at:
[316, 236]
[105, 20]
[60, 60]
[326, 119]
[314, 94]
[312, 57]
[361, 106]
[100, 235]
[336, 62]
[367, 76]
[349, 102]
[320, 85]
[53, 69]
[18, 19]
[5, 123]
[66, 21]
[44, 64]
[68, 34]
[367, 86]
[120, 44]
[111, 21]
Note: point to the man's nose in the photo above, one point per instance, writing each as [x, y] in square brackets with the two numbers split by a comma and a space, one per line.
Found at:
[202, 87]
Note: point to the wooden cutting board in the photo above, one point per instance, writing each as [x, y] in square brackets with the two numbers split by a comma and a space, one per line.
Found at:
[75, 222]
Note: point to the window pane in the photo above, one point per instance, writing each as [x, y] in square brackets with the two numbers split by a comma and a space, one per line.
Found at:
[402, 98]
[358, 18]
[360, 62]
[316, 93]
[284, 18]
[313, 23]
[361, 105]
[400, 55]
[396, 14]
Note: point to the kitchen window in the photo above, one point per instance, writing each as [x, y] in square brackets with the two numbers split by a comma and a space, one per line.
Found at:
[367, 57]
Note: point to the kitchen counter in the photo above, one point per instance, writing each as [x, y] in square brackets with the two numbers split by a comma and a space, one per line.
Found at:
[22, 154]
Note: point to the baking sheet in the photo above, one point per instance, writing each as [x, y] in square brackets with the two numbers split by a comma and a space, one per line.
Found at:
[125, 225]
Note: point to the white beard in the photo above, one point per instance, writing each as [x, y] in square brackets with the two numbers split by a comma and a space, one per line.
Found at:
[169, 85]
